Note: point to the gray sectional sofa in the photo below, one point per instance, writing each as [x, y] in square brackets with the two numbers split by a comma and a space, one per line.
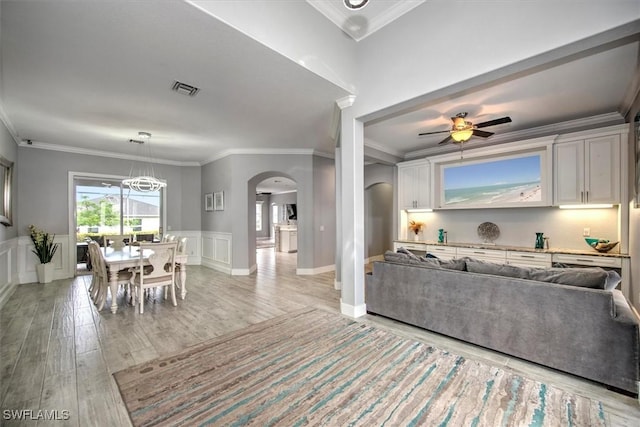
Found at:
[590, 331]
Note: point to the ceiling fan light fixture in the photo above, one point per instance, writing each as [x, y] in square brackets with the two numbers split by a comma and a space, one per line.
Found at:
[355, 4]
[461, 135]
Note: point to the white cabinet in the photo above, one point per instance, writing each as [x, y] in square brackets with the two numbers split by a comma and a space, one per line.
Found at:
[414, 185]
[288, 240]
[489, 255]
[528, 259]
[442, 252]
[594, 260]
[587, 171]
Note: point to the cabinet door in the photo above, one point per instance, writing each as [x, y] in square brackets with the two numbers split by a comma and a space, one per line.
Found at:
[602, 170]
[406, 178]
[422, 186]
[568, 176]
[414, 186]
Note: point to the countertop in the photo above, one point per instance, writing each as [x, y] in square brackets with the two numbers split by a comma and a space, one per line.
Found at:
[520, 248]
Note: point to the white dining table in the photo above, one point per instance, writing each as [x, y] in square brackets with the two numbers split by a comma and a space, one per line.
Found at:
[129, 257]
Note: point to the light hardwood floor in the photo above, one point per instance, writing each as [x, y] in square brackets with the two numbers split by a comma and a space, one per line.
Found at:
[57, 352]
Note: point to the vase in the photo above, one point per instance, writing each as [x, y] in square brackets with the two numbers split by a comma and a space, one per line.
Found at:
[45, 272]
[539, 241]
[416, 236]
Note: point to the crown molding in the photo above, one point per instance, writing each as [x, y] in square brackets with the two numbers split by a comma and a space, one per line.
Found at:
[266, 151]
[99, 153]
[340, 15]
[374, 145]
[586, 123]
[345, 102]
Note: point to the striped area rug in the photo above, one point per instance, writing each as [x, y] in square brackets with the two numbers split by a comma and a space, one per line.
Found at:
[317, 368]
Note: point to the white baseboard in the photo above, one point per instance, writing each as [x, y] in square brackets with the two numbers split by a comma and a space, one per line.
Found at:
[317, 270]
[244, 271]
[353, 311]
[223, 268]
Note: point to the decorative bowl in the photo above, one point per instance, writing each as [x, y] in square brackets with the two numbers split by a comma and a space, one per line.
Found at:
[591, 241]
[605, 246]
[600, 245]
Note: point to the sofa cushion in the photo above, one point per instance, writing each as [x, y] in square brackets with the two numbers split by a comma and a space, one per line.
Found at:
[484, 267]
[590, 277]
[453, 264]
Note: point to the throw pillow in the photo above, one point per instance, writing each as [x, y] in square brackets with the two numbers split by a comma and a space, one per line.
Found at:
[613, 278]
[400, 257]
[453, 264]
[590, 277]
[408, 253]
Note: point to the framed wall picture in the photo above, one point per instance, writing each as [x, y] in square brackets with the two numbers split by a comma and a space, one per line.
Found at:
[6, 178]
[218, 201]
[208, 202]
[497, 182]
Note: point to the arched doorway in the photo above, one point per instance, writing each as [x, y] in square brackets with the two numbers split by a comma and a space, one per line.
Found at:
[275, 224]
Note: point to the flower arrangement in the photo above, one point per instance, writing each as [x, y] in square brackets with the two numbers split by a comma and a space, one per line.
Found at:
[45, 249]
[415, 226]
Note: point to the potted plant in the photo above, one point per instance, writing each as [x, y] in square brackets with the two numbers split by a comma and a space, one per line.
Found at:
[45, 249]
[415, 226]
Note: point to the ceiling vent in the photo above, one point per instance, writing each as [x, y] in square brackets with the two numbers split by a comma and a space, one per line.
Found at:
[185, 89]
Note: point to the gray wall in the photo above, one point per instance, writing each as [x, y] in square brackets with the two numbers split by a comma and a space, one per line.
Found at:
[379, 212]
[9, 150]
[324, 210]
[378, 219]
[238, 176]
[43, 185]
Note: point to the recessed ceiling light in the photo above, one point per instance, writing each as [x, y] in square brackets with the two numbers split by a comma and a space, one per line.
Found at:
[355, 4]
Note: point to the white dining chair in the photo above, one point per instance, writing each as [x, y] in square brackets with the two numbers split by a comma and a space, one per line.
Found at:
[158, 269]
[116, 241]
[180, 267]
[100, 284]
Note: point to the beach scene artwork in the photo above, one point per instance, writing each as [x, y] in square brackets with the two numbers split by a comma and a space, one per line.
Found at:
[501, 182]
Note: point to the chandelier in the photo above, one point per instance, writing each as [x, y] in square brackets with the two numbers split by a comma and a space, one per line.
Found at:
[145, 181]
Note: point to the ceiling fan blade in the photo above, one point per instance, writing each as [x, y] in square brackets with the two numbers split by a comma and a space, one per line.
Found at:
[444, 141]
[432, 133]
[494, 122]
[482, 133]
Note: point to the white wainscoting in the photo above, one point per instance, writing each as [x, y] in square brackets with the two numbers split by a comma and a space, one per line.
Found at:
[194, 245]
[63, 264]
[216, 251]
[8, 269]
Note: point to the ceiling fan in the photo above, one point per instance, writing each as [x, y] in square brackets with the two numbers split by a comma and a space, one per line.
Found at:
[461, 130]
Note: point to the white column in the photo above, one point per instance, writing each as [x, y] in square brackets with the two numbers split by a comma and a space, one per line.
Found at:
[352, 210]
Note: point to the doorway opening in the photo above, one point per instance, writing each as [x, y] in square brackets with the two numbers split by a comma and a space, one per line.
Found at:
[276, 220]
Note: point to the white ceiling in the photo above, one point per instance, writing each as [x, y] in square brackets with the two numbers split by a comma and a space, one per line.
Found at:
[360, 23]
[87, 76]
